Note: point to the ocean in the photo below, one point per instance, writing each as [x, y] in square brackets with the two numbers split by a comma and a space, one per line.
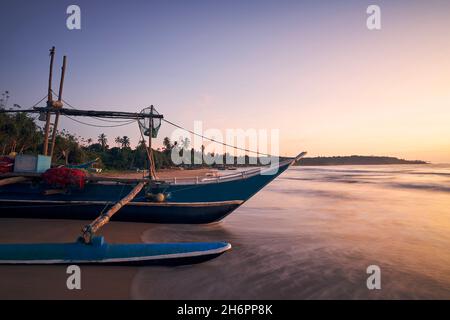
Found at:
[310, 234]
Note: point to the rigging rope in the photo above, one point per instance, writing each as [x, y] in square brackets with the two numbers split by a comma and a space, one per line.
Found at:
[39, 102]
[100, 126]
[213, 140]
[128, 122]
[97, 118]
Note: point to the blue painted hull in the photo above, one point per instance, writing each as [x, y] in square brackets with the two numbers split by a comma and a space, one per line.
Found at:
[149, 213]
[185, 203]
[101, 253]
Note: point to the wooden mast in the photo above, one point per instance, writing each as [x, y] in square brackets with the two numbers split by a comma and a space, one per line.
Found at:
[58, 105]
[49, 102]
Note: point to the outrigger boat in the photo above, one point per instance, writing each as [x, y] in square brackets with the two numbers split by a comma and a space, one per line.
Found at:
[91, 249]
[27, 195]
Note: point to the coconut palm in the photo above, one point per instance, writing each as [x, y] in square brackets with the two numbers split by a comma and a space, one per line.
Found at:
[118, 141]
[102, 140]
[125, 142]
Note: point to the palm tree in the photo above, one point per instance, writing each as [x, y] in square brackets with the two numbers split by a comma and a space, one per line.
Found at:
[4, 100]
[166, 143]
[102, 140]
[125, 142]
[118, 141]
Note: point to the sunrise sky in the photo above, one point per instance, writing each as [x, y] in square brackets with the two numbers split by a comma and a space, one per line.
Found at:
[310, 68]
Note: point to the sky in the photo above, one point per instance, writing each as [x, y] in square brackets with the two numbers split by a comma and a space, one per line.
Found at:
[311, 69]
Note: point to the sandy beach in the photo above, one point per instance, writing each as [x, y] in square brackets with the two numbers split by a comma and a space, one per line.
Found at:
[161, 174]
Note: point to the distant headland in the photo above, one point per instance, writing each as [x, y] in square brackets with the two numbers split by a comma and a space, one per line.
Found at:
[354, 160]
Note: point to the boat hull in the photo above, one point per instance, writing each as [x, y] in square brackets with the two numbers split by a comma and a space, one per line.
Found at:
[185, 203]
[182, 213]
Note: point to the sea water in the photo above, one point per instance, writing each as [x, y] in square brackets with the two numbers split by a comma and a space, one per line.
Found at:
[312, 234]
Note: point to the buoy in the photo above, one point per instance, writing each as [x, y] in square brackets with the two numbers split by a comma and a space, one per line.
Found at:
[158, 197]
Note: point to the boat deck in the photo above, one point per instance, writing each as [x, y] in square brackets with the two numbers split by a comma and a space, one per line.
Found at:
[168, 177]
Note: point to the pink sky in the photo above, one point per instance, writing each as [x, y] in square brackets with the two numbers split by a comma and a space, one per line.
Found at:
[311, 69]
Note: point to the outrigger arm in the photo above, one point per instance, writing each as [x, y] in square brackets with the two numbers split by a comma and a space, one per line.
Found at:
[90, 229]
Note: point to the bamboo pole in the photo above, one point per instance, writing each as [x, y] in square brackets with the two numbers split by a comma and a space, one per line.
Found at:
[13, 180]
[59, 105]
[49, 102]
[90, 113]
[51, 192]
[151, 168]
[90, 229]
[52, 57]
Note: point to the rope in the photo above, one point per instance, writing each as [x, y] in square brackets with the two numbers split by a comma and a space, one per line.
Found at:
[126, 122]
[212, 140]
[97, 118]
[39, 102]
[100, 126]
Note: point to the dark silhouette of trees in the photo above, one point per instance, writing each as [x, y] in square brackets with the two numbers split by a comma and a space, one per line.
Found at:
[103, 141]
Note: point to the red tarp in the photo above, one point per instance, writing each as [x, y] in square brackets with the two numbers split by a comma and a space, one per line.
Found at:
[6, 164]
[65, 177]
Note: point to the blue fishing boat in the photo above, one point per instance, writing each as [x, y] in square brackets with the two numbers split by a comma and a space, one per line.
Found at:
[199, 201]
[28, 194]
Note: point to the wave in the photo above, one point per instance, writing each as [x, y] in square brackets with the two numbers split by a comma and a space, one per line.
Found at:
[431, 187]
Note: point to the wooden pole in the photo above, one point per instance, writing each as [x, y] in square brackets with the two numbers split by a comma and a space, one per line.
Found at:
[52, 57]
[93, 227]
[59, 105]
[7, 181]
[61, 84]
[49, 102]
[90, 113]
[151, 169]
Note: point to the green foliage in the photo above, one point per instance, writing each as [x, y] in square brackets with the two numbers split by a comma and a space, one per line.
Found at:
[19, 133]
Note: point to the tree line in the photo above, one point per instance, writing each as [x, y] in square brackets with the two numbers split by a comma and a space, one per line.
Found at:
[19, 133]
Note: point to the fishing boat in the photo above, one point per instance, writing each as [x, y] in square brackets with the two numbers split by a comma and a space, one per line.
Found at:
[192, 201]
